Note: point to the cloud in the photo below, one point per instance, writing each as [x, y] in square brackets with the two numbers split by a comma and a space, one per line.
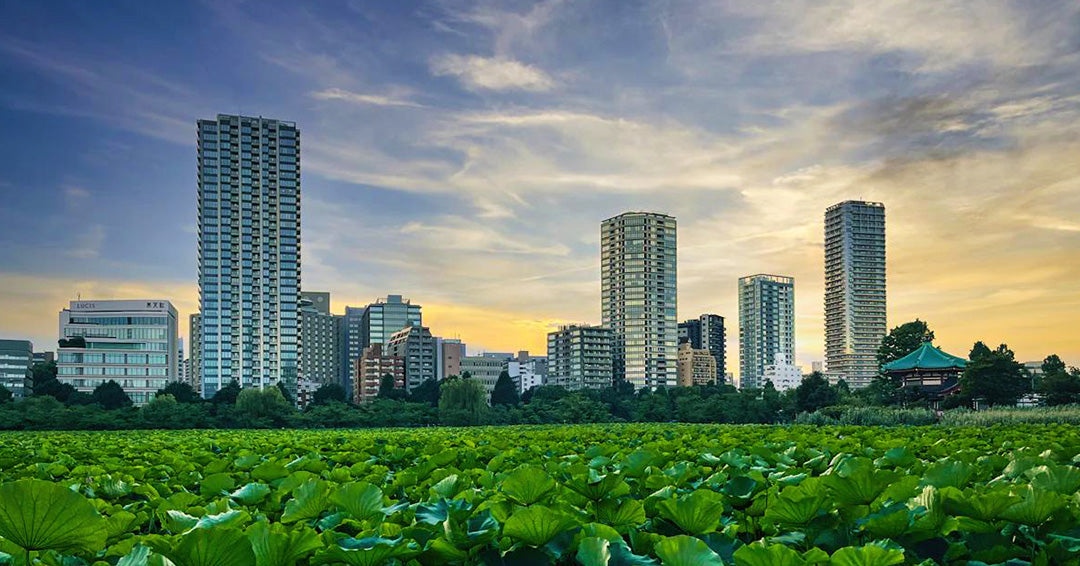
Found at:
[88, 245]
[357, 98]
[459, 234]
[492, 73]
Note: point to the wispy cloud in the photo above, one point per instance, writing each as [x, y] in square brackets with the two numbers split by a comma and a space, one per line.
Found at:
[357, 98]
[492, 73]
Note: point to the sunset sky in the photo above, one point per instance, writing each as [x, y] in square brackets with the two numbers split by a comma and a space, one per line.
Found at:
[463, 154]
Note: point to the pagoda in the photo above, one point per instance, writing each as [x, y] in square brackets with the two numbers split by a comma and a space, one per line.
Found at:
[928, 369]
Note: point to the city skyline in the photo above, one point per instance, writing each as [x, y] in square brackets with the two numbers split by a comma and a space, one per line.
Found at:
[469, 170]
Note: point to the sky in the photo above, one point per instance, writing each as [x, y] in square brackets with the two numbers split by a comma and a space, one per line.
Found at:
[463, 154]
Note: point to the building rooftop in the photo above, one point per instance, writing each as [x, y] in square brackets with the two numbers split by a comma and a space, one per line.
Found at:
[926, 356]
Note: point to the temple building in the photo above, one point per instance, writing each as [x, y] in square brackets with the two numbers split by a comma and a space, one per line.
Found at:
[933, 372]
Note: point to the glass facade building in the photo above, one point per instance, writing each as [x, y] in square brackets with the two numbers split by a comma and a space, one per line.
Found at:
[16, 358]
[638, 296]
[249, 251]
[855, 312]
[766, 325]
[131, 342]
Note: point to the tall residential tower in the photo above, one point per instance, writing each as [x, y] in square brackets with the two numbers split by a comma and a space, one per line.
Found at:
[249, 251]
[638, 296]
[766, 325]
[854, 290]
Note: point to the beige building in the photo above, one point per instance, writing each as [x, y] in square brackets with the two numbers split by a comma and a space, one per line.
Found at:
[369, 372]
[696, 367]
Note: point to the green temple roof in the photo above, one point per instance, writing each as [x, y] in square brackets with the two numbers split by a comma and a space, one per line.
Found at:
[926, 357]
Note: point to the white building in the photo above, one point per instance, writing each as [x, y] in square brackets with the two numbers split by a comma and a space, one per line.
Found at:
[132, 342]
[783, 375]
[527, 371]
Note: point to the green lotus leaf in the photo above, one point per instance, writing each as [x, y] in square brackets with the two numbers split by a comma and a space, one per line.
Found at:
[213, 547]
[740, 487]
[890, 521]
[949, 473]
[42, 515]
[269, 471]
[856, 481]
[983, 506]
[527, 485]
[120, 523]
[869, 555]
[760, 554]
[277, 545]
[372, 551]
[596, 551]
[536, 525]
[798, 505]
[635, 464]
[308, 502]
[596, 486]
[361, 500]
[1061, 479]
[216, 484]
[139, 556]
[251, 493]
[684, 550]
[1035, 507]
[620, 513]
[476, 530]
[696, 514]
[448, 487]
[443, 509]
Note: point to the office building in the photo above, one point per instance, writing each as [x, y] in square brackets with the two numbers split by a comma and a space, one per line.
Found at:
[696, 366]
[370, 369]
[249, 252]
[818, 367]
[16, 358]
[527, 371]
[706, 332]
[132, 342]
[854, 291]
[580, 357]
[783, 374]
[44, 357]
[320, 353]
[448, 353]
[416, 346]
[485, 369]
[766, 325]
[638, 296]
[377, 322]
[194, 363]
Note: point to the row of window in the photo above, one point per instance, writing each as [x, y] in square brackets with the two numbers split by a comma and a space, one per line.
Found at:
[94, 358]
[121, 320]
[112, 370]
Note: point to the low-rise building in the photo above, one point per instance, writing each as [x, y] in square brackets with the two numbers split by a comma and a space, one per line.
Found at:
[373, 364]
[485, 369]
[132, 342]
[696, 366]
[783, 375]
[448, 354]
[929, 370]
[527, 371]
[580, 357]
[16, 357]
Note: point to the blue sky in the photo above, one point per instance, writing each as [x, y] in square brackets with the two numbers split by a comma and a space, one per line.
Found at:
[464, 153]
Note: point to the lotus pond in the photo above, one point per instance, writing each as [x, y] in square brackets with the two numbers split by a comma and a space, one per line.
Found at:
[671, 495]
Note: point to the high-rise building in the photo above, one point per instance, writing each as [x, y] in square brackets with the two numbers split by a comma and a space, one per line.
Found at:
[638, 296]
[697, 366]
[249, 251]
[706, 332]
[376, 323]
[854, 290]
[416, 346]
[368, 373]
[527, 371]
[766, 325]
[194, 354]
[448, 354]
[16, 358]
[579, 357]
[320, 353]
[132, 342]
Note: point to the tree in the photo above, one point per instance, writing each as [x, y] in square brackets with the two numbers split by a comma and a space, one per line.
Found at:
[427, 392]
[505, 391]
[814, 393]
[462, 402]
[903, 340]
[111, 396]
[263, 407]
[227, 395]
[1058, 386]
[388, 389]
[328, 393]
[181, 392]
[5, 395]
[993, 376]
[285, 394]
[1053, 364]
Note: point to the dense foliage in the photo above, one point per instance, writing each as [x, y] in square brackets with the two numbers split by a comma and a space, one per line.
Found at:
[671, 495]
